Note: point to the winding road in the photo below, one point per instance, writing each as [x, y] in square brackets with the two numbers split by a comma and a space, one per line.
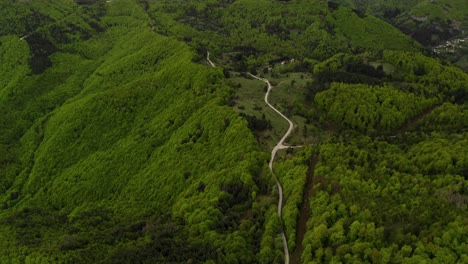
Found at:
[278, 146]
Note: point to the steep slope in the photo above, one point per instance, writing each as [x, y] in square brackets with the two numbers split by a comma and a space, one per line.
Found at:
[120, 142]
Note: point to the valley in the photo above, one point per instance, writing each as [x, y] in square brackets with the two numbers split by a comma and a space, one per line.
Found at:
[233, 131]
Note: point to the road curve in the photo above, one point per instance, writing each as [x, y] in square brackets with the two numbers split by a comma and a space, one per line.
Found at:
[208, 59]
[278, 146]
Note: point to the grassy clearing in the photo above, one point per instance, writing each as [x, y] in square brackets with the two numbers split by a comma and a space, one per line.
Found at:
[249, 100]
[288, 96]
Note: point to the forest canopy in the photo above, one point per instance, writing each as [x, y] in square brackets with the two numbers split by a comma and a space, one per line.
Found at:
[121, 143]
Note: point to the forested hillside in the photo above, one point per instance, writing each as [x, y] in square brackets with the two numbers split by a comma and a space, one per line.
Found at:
[440, 25]
[121, 150]
[121, 143]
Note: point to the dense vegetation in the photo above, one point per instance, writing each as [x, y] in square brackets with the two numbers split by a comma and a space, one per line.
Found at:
[442, 24]
[429, 21]
[262, 31]
[401, 201]
[122, 150]
[120, 144]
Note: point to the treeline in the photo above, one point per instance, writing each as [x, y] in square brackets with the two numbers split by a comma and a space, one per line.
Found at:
[256, 124]
[347, 68]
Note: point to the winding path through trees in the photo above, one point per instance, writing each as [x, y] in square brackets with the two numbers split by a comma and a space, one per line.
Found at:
[278, 146]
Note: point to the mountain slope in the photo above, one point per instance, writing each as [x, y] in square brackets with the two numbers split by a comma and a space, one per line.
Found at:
[121, 136]
[120, 143]
[439, 25]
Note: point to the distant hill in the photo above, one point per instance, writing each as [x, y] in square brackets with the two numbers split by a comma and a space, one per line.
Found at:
[440, 25]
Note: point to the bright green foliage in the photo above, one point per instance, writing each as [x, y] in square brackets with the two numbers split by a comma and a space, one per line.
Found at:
[270, 247]
[376, 202]
[364, 107]
[370, 32]
[292, 174]
[447, 117]
[116, 144]
[440, 156]
[122, 149]
[427, 75]
[14, 55]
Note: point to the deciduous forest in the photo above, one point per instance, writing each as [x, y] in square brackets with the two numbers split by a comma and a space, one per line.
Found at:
[121, 143]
